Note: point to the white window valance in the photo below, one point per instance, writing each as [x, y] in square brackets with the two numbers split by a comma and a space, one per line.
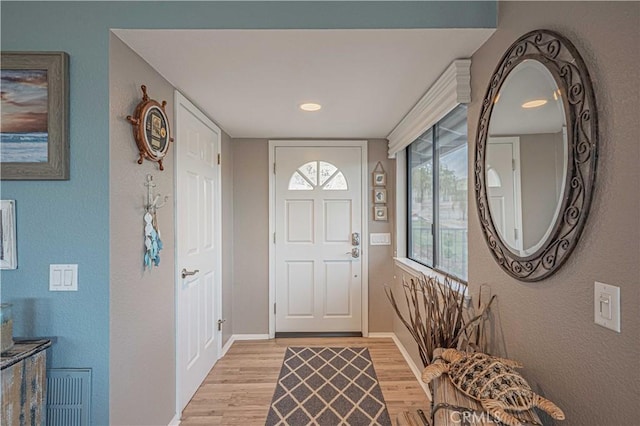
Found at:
[452, 88]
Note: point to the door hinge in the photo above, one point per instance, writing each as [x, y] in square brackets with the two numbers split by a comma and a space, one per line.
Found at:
[274, 238]
[274, 308]
[218, 159]
[274, 168]
[515, 233]
[513, 165]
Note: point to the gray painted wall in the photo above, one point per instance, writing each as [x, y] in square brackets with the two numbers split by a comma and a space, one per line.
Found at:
[251, 236]
[142, 319]
[381, 257]
[592, 373]
[251, 239]
[142, 316]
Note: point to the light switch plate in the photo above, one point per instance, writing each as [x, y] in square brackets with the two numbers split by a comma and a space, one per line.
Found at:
[380, 239]
[606, 306]
[63, 277]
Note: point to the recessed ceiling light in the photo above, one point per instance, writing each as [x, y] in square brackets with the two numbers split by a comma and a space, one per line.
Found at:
[534, 104]
[310, 106]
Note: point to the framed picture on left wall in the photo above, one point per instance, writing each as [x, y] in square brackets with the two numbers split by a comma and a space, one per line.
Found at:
[8, 254]
[34, 122]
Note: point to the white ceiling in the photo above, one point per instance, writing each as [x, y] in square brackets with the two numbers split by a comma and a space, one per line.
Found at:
[529, 80]
[251, 81]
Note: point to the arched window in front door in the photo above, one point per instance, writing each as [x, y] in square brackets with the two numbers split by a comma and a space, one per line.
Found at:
[318, 174]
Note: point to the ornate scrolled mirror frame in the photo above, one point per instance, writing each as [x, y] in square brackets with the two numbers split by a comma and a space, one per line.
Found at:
[564, 62]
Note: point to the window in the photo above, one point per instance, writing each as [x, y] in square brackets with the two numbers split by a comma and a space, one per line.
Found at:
[437, 201]
[306, 177]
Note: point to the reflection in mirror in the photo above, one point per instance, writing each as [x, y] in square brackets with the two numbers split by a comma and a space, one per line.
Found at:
[526, 157]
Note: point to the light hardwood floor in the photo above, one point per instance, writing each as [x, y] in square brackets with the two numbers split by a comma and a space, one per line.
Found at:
[239, 388]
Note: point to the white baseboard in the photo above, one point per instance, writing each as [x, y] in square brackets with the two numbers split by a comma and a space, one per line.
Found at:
[238, 337]
[175, 421]
[412, 365]
[227, 345]
[382, 335]
[251, 336]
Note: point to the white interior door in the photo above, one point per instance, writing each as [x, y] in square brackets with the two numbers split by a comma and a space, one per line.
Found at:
[503, 182]
[198, 258]
[318, 239]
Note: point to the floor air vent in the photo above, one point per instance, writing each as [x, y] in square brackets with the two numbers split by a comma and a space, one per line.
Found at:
[68, 397]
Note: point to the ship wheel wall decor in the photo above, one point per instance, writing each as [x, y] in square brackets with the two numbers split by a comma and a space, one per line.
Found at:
[151, 129]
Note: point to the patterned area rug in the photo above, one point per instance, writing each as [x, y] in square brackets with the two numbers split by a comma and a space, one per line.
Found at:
[327, 386]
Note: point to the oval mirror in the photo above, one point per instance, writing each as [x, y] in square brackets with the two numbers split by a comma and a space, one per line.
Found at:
[536, 155]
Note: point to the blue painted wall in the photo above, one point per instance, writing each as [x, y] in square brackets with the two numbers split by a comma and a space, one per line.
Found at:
[68, 222]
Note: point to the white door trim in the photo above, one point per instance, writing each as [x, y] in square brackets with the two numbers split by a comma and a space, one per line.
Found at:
[179, 99]
[365, 222]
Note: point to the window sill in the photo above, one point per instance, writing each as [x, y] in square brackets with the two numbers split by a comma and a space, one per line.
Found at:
[416, 269]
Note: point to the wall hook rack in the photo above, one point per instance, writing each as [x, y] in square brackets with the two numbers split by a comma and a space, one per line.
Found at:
[153, 200]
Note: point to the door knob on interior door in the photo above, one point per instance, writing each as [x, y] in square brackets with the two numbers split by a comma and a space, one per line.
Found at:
[220, 322]
[355, 252]
[186, 273]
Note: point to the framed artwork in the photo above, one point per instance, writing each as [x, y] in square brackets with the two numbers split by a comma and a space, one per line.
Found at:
[380, 213]
[379, 195]
[379, 178]
[34, 123]
[8, 257]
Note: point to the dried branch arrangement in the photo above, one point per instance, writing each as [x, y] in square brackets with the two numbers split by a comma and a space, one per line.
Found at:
[437, 317]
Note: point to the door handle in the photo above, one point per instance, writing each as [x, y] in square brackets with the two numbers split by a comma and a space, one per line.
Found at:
[355, 252]
[220, 321]
[186, 273]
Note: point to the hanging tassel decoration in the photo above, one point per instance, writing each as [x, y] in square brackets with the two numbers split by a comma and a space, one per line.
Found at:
[152, 241]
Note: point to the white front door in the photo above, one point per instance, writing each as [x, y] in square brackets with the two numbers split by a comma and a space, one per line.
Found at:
[198, 257]
[503, 183]
[318, 239]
